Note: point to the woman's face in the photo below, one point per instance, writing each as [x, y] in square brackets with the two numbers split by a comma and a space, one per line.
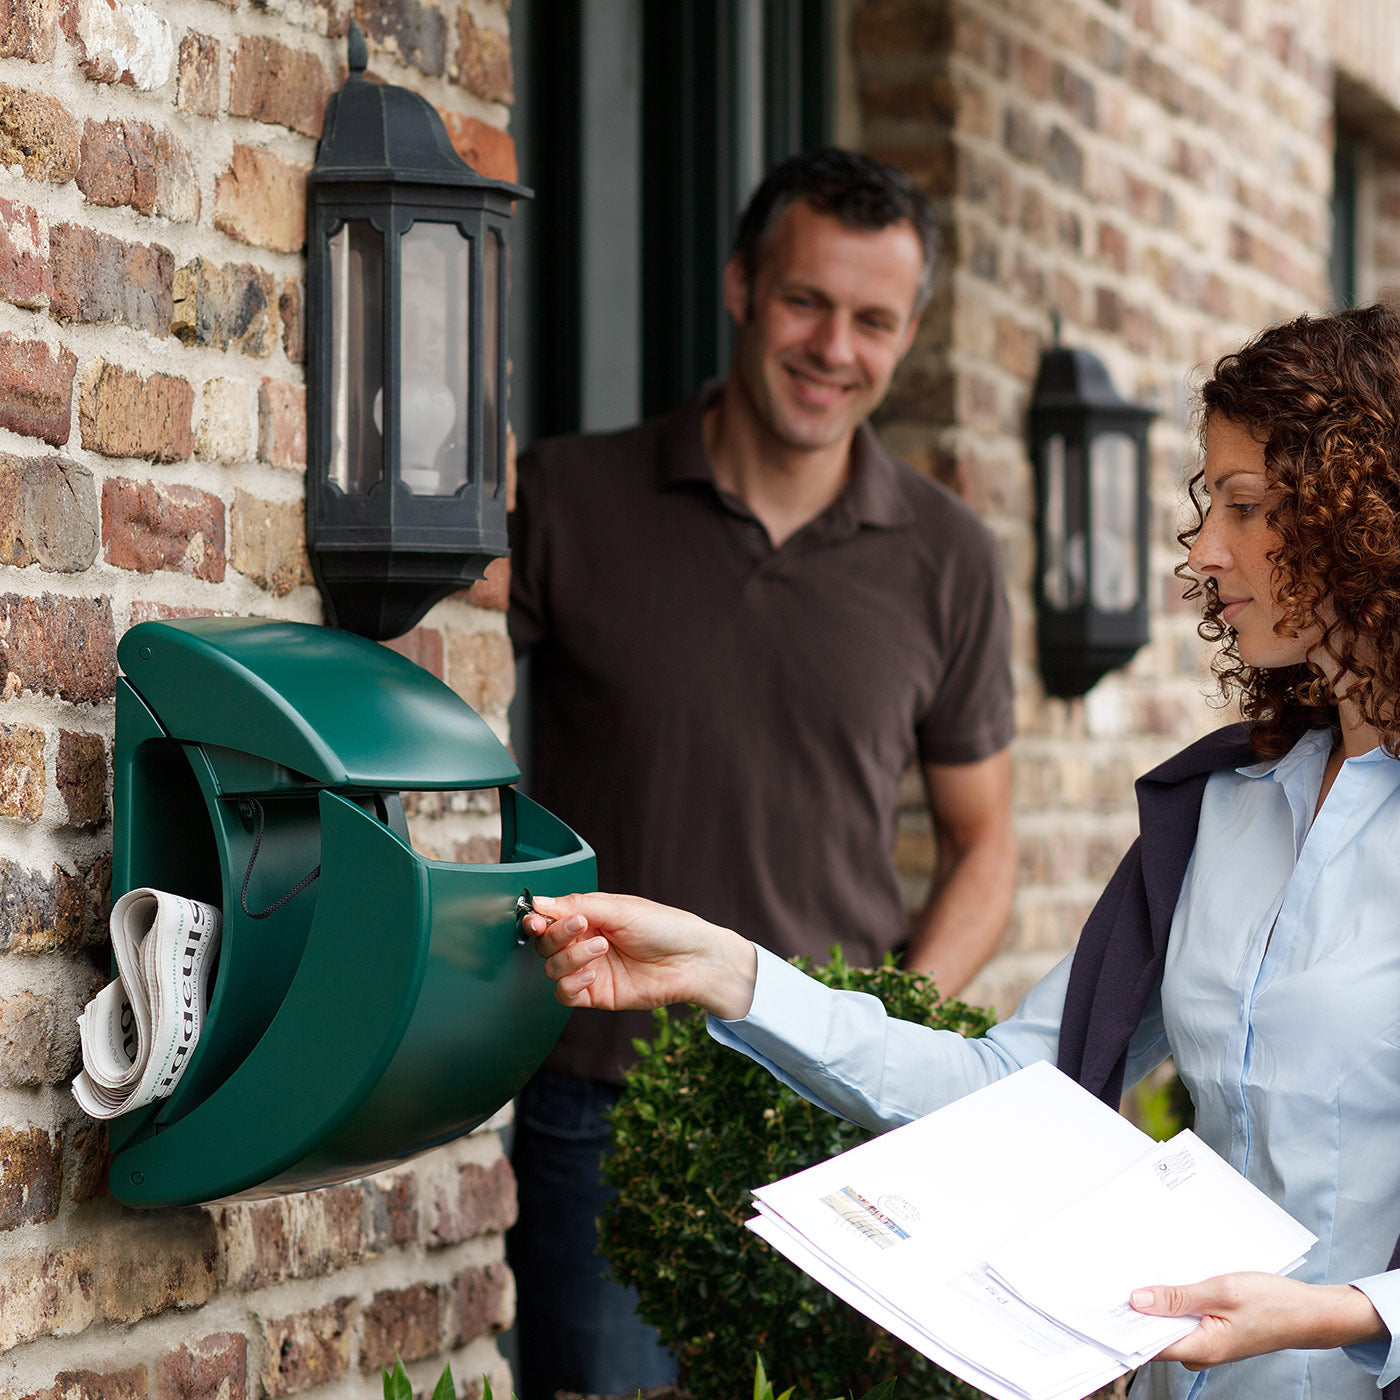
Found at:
[1235, 544]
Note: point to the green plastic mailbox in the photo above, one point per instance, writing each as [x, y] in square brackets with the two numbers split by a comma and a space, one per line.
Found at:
[387, 1006]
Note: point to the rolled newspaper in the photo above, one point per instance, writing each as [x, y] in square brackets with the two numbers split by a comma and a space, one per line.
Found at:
[139, 1031]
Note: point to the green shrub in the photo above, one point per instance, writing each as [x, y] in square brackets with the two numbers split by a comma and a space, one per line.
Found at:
[698, 1128]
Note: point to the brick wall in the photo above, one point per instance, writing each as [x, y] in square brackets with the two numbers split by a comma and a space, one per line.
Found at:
[1158, 173]
[152, 445]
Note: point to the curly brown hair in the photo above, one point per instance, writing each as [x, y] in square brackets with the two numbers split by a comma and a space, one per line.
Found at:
[1322, 393]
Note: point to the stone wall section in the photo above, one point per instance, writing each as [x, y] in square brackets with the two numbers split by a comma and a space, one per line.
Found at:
[1157, 174]
[152, 447]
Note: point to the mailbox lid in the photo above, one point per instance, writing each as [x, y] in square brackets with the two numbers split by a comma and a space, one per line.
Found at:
[343, 710]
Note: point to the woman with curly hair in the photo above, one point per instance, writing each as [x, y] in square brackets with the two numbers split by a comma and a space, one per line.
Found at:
[1253, 930]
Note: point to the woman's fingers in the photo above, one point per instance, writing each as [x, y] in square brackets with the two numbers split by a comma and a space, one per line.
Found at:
[553, 934]
[575, 956]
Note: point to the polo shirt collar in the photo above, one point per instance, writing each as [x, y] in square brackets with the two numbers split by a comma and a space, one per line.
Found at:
[872, 496]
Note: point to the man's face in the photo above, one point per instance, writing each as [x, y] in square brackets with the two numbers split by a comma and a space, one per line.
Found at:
[825, 321]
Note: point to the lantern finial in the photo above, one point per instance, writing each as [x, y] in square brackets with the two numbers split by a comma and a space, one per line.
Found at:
[357, 52]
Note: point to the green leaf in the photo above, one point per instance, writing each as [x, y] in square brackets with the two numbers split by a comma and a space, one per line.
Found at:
[761, 1388]
[445, 1389]
[883, 1391]
[397, 1385]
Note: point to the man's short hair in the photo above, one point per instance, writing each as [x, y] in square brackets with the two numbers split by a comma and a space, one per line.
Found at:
[861, 192]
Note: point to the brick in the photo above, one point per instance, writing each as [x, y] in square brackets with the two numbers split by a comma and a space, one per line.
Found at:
[48, 514]
[493, 591]
[46, 1294]
[136, 164]
[481, 669]
[343, 1230]
[930, 97]
[1113, 246]
[1017, 348]
[392, 1209]
[213, 1368]
[36, 389]
[282, 425]
[26, 1027]
[101, 278]
[91, 1158]
[306, 1349]
[1078, 94]
[224, 427]
[255, 1244]
[121, 41]
[63, 647]
[153, 525]
[261, 199]
[481, 1201]
[1064, 158]
[31, 1176]
[1109, 309]
[197, 82]
[483, 60]
[29, 29]
[477, 850]
[96, 1385]
[404, 1322]
[901, 27]
[291, 307]
[1021, 136]
[487, 149]
[326, 1230]
[481, 1303]
[155, 1263]
[80, 773]
[58, 912]
[273, 82]
[25, 276]
[123, 415]
[39, 135]
[422, 646]
[410, 30]
[267, 543]
[225, 307]
[22, 775]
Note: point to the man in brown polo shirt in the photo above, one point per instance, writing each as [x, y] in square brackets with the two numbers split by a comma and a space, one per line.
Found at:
[745, 621]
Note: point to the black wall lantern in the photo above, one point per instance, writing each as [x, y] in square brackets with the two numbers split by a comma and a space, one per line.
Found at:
[406, 359]
[1089, 446]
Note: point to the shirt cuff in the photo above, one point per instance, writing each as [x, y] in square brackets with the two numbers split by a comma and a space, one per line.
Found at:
[1380, 1358]
[787, 1020]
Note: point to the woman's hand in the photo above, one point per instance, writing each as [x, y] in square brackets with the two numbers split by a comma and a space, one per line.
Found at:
[618, 953]
[1248, 1314]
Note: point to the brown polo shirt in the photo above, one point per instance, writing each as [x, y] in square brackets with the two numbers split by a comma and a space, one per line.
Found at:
[726, 723]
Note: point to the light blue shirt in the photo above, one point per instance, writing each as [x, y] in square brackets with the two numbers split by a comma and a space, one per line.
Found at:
[1280, 1004]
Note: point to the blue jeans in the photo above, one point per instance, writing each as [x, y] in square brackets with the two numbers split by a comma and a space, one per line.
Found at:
[577, 1329]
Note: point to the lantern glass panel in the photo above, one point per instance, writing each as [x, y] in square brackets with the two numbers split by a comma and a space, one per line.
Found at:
[433, 359]
[357, 356]
[1113, 490]
[492, 295]
[1062, 578]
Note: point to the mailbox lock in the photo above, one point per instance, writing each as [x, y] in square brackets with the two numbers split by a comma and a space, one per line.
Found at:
[524, 904]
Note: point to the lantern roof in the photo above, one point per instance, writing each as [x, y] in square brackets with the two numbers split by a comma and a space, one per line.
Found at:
[1073, 378]
[386, 134]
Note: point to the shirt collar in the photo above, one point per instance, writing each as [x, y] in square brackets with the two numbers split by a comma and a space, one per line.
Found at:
[1309, 751]
[871, 497]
